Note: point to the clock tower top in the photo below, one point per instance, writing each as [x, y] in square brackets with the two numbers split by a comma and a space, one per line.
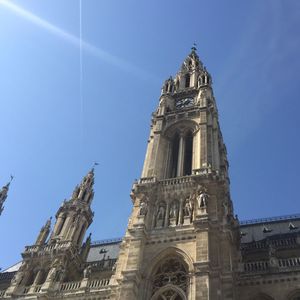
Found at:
[185, 137]
[192, 75]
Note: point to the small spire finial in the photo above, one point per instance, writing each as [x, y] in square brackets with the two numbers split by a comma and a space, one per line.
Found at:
[8, 184]
[194, 48]
[94, 165]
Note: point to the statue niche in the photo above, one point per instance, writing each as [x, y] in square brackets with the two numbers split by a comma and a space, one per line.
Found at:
[173, 214]
[188, 210]
[160, 215]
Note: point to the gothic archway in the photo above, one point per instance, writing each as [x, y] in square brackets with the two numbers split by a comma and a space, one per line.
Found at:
[170, 280]
[169, 292]
[261, 296]
[180, 137]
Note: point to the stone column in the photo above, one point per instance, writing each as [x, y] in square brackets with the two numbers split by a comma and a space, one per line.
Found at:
[66, 226]
[36, 281]
[154, 209]
[58, 224]
[180, 156]
[180, 213]
[167, 170]
[167, 215]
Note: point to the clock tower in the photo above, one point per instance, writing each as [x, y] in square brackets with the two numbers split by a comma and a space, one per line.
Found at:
[182, 240]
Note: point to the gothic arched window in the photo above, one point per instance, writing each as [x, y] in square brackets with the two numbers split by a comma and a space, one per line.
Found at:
[170, 281]
[187, 80]
[174, 155]
[188, 154]
[170, 294]
[181, 155]
[203, 79]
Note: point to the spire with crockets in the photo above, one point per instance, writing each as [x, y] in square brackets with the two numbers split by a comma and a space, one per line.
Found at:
[3, 194]
[74, 215]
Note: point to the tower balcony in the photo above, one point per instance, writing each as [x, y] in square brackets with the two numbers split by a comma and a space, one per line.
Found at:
[47, 249]
[197, 176]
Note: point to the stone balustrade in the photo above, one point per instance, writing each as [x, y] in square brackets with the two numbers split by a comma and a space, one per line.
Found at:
[289, 262]
[103, 265]
[277, 243]
[98, 283]
[65, 287]
[70, 286]
[37, 288]
[256, 266]
[147, 180]
[264, 266]
[47, 248]
[176, 180]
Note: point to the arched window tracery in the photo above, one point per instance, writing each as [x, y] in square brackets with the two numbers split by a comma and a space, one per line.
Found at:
[170, 281]
[181, 157]
[187, 80]
[169, 295]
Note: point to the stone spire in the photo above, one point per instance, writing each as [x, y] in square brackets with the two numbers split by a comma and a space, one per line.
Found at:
[75, 216]
[3, 194]
[191, 75]
[192, 62]
[84, 191]
[44, 232]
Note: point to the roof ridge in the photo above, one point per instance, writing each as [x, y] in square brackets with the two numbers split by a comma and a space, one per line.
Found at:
[270, 219]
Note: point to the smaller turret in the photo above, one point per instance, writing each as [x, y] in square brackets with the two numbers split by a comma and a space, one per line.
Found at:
[3, 194]
[44, 232]
[75, 215]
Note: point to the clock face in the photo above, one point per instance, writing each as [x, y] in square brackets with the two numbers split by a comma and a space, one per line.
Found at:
[185, 102]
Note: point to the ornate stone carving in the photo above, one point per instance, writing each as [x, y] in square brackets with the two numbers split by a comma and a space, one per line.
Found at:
[87, 272]
[143, 207]
[173, 210]
[188, 206]
[202, 197]
[160, 213]
[171, 272]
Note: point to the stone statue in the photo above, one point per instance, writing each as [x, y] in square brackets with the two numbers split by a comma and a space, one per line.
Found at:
[60, 274]
[143, 208]
[52, 274]
[160, 213]
[87, 272]
[202, 198]
[188, 207]
[226, 211]
[176, 84]
[173, 210]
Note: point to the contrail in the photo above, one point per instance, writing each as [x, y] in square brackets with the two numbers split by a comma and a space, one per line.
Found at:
[80, 71]
[72, 39]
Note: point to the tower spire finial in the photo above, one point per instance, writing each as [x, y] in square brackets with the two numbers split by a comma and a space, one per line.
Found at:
[3, 194]
[94, 165]
[194, 47]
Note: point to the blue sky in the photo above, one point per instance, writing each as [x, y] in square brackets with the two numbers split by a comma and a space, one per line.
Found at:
[50, 138]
